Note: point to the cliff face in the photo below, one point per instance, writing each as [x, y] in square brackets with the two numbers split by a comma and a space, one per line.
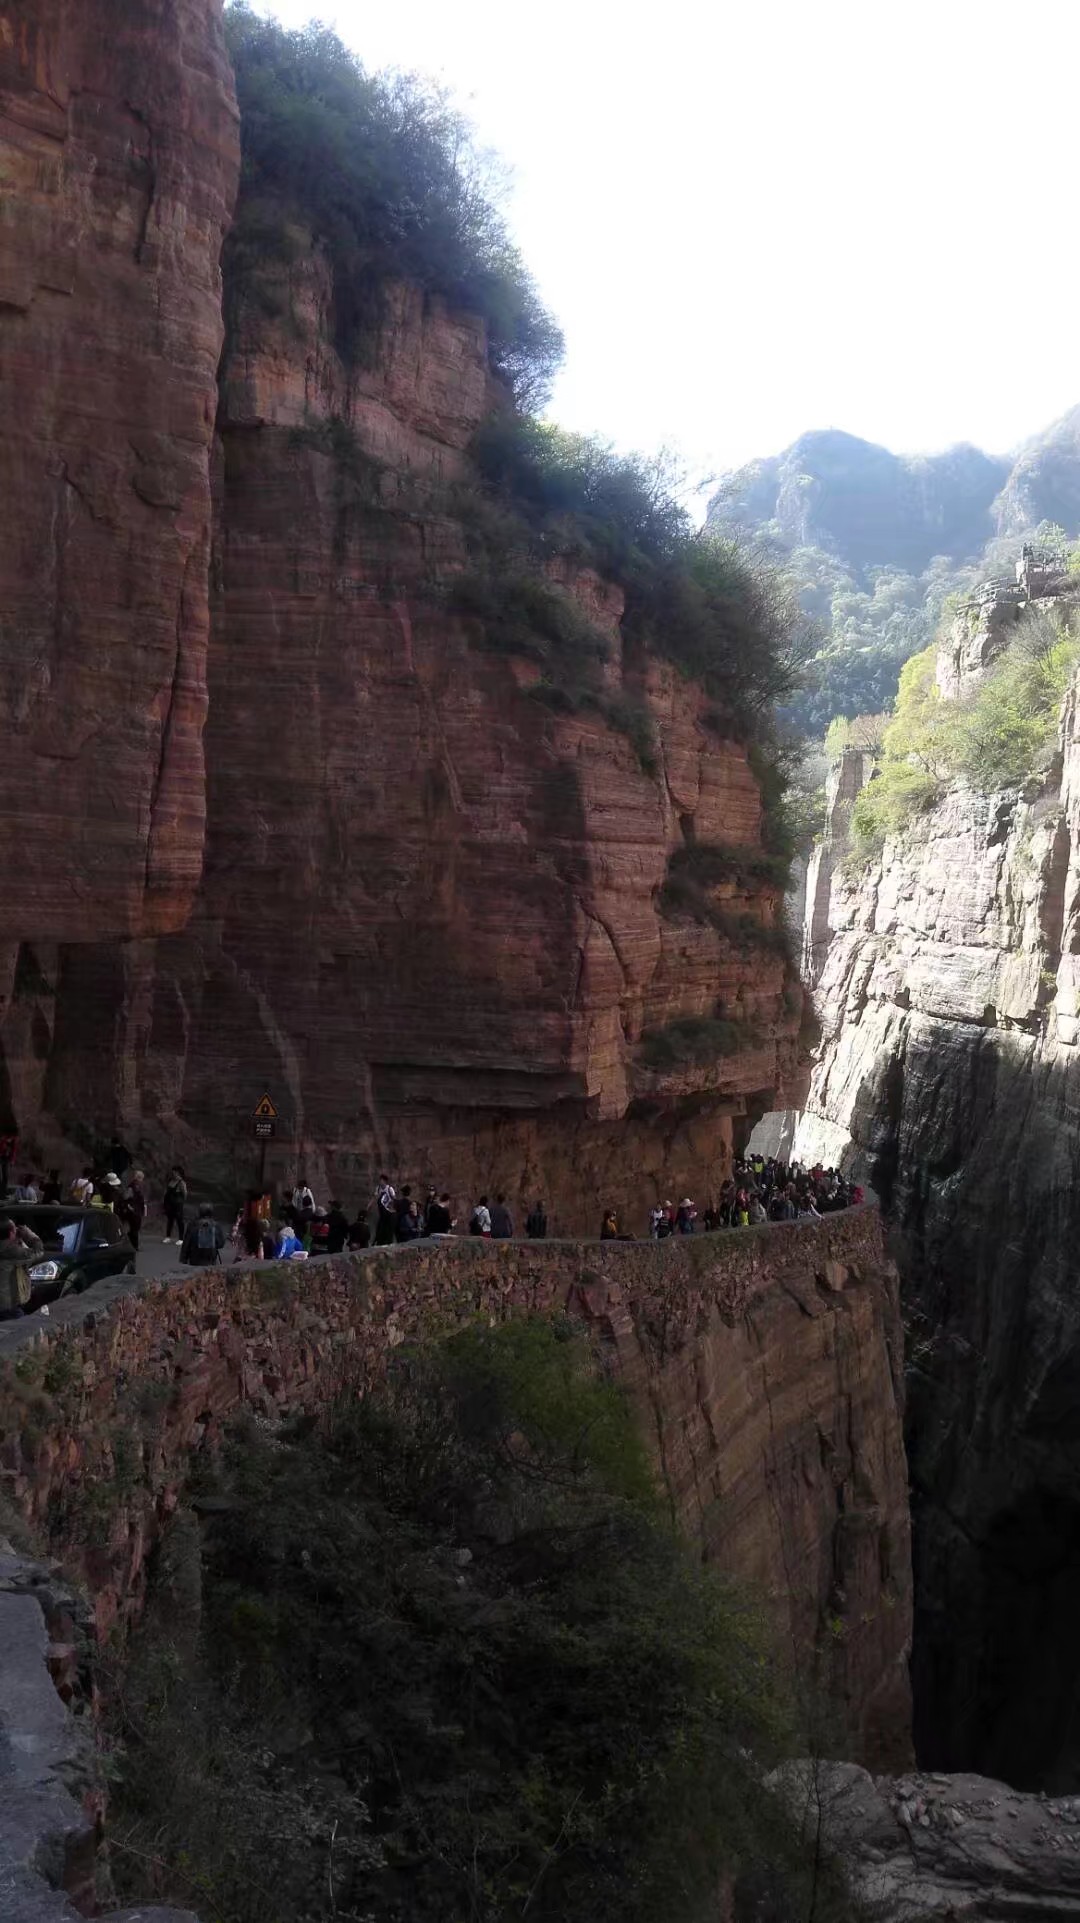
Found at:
[428, 920]
[948, 996]
[119, 149]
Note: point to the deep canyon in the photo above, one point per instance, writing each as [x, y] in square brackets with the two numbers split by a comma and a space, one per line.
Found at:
[288, 813]
[946, 979]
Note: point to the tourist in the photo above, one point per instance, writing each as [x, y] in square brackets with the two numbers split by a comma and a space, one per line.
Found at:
[110, 1194]
[256, 1241]
[431, 1201]
[686, 1217]
[758, 1213]
[134, 1206]
[204, 1239]
[14, 1280]
[27, 1190]
[82, 1188]
[337, 1229]
[440, 1221]
[502, 1222]
[173, 1202]
[386, 1204]
[609, 1227]
[117, 1158]
[408, 1226]
[359, 1236]
[303, 1200]
[480, 1224]
[288, 1246]
[52, 1188]
[536, 1224]
[320, 1232]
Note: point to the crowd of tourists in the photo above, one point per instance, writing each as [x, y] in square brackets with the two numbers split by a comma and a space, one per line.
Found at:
[758, 1190]
[110, 1182]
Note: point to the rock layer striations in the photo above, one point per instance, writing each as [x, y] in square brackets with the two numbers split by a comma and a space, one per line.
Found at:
[428, 913]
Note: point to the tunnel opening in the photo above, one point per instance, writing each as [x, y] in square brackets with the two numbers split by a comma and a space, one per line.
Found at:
[1025, 1727]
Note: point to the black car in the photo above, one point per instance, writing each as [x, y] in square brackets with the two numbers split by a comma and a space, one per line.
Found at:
[79, 1246]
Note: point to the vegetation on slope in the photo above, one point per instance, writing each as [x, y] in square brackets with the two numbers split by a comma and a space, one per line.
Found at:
[714, 609]
[385, 177]
[453, 1664]
[1001, 736]
[384, 173]
[873, 609]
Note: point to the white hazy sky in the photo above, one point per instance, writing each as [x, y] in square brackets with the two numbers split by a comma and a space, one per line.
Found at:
[759, 218]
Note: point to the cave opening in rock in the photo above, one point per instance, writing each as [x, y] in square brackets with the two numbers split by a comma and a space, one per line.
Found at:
[1026, 1723]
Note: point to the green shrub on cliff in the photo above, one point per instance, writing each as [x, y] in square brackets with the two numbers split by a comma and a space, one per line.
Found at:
[453, 1663]
[720, 612]
[1001, 736]
[383, 172]
[695, 1039]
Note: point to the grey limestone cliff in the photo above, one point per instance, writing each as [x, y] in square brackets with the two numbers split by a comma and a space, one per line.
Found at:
[948, 986]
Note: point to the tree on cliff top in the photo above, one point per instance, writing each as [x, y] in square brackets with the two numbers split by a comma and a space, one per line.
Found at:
[717, 608]
[386, 176]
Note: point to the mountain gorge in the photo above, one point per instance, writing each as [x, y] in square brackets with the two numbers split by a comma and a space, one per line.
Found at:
[946, 972]
[374, 745]
[877, 542]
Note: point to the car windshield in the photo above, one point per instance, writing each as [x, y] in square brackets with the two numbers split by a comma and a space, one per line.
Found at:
[58, 1228]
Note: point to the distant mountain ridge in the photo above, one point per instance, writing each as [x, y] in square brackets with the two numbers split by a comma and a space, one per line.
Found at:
[877, 540]
[869, 506]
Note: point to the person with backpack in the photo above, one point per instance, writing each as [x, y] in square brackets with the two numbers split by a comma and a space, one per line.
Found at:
[386, 1204]
[536, 1223]
[173, 1201]
[204, 1240]
[480, 1222]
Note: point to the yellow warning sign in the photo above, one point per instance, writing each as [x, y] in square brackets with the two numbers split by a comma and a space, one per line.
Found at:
[265, 1110]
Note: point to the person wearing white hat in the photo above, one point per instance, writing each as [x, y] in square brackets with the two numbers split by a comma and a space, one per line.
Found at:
[686, 1217]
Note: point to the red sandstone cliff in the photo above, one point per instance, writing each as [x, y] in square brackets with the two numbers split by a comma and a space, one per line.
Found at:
[118, 138]
[429, 921]
[426, 912]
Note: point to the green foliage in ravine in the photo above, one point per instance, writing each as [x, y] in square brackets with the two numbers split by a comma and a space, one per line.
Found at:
[453, 1663]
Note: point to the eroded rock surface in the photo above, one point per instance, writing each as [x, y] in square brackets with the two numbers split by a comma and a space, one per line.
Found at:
[949, 1003]
[927, 1846]
[429, 921]
[118, 160]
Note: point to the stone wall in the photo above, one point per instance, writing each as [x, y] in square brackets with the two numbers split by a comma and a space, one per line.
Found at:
[765, 1364]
